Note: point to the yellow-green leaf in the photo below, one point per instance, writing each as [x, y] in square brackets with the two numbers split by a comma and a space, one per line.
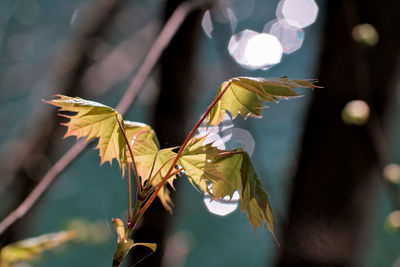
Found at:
[254, 200]
[198, 161]
[94, 120]
[150, 159]
[32, 248]
[142, 130]
[246, 96]
[230, 167]
[240, 175]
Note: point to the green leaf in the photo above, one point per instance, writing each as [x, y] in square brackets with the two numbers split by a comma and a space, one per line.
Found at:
[246, 96]
[198, 161]
[94, 120]
[150, 159]
[230, 167]
[254, 200]
[241, 176]
[32, 248]
[142, 130]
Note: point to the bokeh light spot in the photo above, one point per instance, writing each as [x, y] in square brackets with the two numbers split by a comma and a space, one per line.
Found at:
[392, 222]
[27, 11]
[391, 172]
[365, 33]
[254, 50]
[206, 24]
[241, 138]
[222, 207]
[218, 135]
[298, 13]
[290, 37]
[356, 112]
[263, 49]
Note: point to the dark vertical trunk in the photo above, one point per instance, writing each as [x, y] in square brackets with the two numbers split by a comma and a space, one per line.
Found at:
[334, 190]
[177, 68]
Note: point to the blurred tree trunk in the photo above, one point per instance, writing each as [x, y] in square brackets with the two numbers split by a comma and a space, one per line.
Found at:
[334, 190]
[170, 117]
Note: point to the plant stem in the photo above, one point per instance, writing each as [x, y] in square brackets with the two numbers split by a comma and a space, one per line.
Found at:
[128, 179]
[138, 185]
[159, 170]
[152, 189]
[181, 149]
[131, 225]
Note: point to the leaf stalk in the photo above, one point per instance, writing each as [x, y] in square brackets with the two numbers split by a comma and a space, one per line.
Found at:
[138, 185]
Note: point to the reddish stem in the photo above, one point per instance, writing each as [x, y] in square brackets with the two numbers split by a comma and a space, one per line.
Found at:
[181, 149]
[129, 192]
[138, 186]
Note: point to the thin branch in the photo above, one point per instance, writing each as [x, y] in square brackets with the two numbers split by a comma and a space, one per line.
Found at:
[33, 197]
[159, 45]
[151, 59]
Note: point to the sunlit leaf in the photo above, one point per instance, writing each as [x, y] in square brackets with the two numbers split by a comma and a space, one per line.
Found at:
[198, 161]
[254, 200]
[230, 168]
[241, 176]
[32, 248]
[246, 96]
[94, 120]
[142, 130]
[149, 159]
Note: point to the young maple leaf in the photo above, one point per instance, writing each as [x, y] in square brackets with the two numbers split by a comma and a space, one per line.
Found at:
[94, 120]
[246, 95]
[241, 176]
[149, 158]
[198, 161]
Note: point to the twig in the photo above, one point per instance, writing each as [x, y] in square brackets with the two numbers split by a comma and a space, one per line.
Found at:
[152, 57]
[154, 54]
[33, 197]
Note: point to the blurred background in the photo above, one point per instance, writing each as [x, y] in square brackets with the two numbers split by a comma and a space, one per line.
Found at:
[328, 159]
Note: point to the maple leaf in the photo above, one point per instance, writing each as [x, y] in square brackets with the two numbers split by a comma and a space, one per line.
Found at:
[137, 129]
[150, 159]
[246, 96]
[198, 161]
[230, 167]
[241, 176]
[94, 120]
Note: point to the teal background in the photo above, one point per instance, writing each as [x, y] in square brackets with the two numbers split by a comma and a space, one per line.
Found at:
[97, 194]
